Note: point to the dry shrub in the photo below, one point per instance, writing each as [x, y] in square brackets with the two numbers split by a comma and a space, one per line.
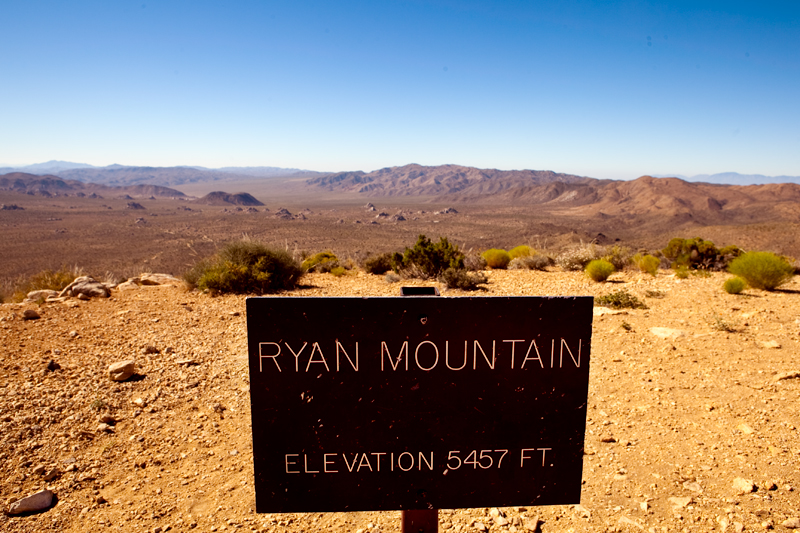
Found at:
[54, 280]
[459, 278]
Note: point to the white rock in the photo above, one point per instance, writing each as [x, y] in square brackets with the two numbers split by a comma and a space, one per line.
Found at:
[791, 523]
[35, 502]
[680, 503]
[743, 486]
[667, 333]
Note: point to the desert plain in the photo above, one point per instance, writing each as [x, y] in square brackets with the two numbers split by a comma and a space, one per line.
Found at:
[693, 402]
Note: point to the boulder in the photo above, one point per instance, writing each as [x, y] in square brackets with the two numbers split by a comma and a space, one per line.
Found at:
[86, 285]
[121, 370]
[43, 294]
[35, 502]
[158, 279]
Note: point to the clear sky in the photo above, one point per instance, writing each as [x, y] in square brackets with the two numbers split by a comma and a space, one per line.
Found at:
[596, 88]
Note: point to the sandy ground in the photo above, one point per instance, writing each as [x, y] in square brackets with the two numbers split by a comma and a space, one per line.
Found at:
[697, 432]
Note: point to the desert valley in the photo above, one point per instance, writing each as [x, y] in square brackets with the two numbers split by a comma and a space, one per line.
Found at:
[693, 398]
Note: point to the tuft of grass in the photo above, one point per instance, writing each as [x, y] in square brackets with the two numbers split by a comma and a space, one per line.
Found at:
[599, 270]
[54, 280]
[734, 285]
[647, 263]
[720, 324]
[460, 278]
[245, 267]
[98, 404]
[522, 250]
[762, 270]
[496, 258]
[621, 299]
[321, 262]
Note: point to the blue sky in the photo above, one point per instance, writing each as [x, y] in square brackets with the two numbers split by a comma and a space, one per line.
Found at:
[603, 89]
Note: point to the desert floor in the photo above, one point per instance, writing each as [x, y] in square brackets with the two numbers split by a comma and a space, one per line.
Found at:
[697, 432]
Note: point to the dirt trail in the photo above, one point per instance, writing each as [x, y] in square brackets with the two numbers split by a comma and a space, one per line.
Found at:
[672, 422]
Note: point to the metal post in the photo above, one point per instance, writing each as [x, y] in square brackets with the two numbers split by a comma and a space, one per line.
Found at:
[421, 521]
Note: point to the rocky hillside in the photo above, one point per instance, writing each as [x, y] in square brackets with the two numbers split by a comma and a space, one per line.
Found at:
[54, 186]
[224, 198]
[692, 416]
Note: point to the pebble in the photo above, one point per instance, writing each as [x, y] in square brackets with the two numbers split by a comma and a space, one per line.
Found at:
[680, 503]
[30, 314]
[667, 333]
[743, 486]
[35, 502]
[122, 370]
[791, 523]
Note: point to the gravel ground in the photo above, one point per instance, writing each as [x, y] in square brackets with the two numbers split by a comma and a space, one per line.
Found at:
[693, 428]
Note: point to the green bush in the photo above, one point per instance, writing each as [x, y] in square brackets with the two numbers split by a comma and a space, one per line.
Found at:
[599, 270]
[681, 271]
[621, 299]
[427, 260]
[698, 253]
[647, 263]
[245, 267]
[496, 258]
[522, 250]
[762, 270]
[460, 278]
[734, 285]
[321, 262]
[378, 264]
[338, 271]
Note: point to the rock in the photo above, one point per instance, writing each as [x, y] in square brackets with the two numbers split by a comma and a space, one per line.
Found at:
[52, 366]
[743, 486]
[480, 526]
[43, 294]
[52, 474]
[770, 344]
[746, 429]
[158, 279]
[500, 521]
[600, 311]
[791, 523]
[82, 296]
[532, 525]
[667, 333]
[86, 285]
[680, 503]
[787, 375]
[122, 370]
[127, 286]
[35, 502]
[30, 314]
[39, 470]
[150, 350]
[106, 418]
[102, 427]
[693, 486]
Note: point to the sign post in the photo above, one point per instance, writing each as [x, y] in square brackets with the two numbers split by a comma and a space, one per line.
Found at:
[417, 403]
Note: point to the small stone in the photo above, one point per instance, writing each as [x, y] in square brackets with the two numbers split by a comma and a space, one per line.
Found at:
[791, 523]
[35, 502]
[693, 486]
[608, 438]
[746, 429]
[768, 524]
[532, 525]
[52, 474]
[500, 521]
[106, 418]
[30, 314]
[743, 486]
[738, 527]
[680, 503]
[104, 428]
[770, 485]
[139, 402]
[83, 296]
[151, 350]
[99, 499]
[52, 366]
[479, 526]
[121, 370]
[770, 344]
[39, 470]
[667, 333]
[787, 375]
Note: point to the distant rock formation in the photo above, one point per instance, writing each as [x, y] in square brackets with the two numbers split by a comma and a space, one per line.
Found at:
[224, 198]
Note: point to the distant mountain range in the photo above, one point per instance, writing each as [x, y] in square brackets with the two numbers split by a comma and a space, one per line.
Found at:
[122, 175]
[733, 178]
[48, 185]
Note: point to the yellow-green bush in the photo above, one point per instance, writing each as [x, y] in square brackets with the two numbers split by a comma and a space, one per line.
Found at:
[647, 263]
[734, 285]
[245, 267]
[496, 258]
[599, 270]
[762, 270]
[321, 262]
[522, 250]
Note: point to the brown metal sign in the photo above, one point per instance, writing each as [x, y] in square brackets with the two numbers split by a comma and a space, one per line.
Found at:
[417, 403]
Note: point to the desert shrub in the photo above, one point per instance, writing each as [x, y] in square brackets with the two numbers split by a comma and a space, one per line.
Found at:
[618, 256]
[496, 258]
[54, 280]
[245, 267]
[650, 293]
[321, 262]
[599, 270]
[522, 250]
[577, 257]
[338, 271]
[427, 259]
[391, 277]
[474, 262]
[762, 270]
[521, 263]
[378, 264]
[621, 299]
[647, 263]
[681, 271]
[734, 285]
[698, 253]
[460, 278]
